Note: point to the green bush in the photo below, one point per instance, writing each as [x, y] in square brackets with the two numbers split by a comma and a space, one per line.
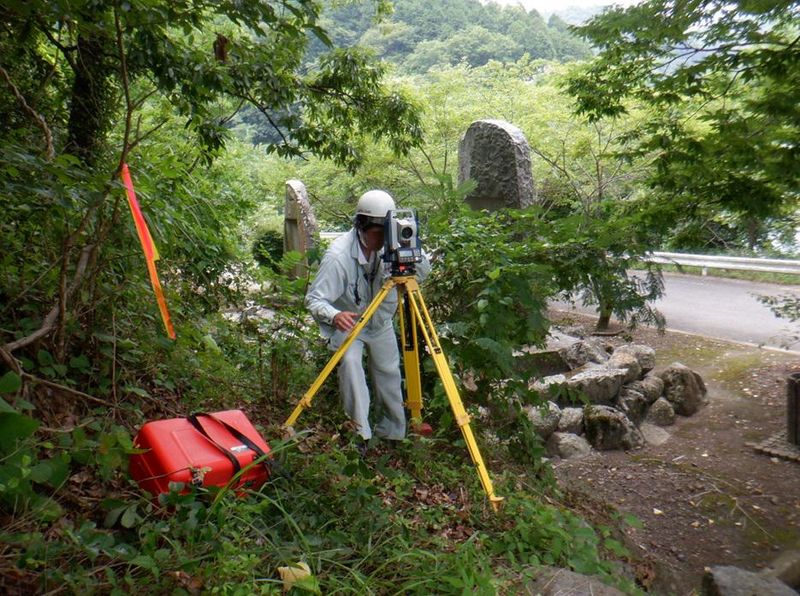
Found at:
[268, 249]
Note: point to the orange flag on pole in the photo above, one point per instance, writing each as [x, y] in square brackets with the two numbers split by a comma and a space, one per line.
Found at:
[149, 248]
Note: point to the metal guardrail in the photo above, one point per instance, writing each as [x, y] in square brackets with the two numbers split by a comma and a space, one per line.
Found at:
[720, 262]
[330, 235]
[704, 261]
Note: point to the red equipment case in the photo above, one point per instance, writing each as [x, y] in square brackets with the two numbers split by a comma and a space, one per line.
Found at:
[202, 449]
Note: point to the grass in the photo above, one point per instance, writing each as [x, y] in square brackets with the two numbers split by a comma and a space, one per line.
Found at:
[408, 519]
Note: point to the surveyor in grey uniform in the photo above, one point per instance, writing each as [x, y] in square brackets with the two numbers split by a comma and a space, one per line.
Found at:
[350, 275]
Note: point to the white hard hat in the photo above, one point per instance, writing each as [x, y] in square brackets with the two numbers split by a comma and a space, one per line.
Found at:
[375, 204]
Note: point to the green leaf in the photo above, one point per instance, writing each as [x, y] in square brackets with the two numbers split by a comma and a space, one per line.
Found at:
[47, 509]
[129, 519]
[494, 274]
[4, 407]
[112, 517]
[79, 362]
[146, 562]
[15, 427]
[53, 471]
[44, 357]
[104, 337]
[10, 382]
[501, 353]
[23, 404]
[41, 472]
[309, 583]
[136, 391]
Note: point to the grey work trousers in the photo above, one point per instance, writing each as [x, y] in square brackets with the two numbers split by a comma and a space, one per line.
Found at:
[384, 370]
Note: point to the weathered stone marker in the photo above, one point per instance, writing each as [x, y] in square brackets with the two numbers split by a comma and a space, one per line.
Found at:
[496, 155]
[300, 228]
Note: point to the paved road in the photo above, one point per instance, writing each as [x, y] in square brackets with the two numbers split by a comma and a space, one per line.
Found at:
[724, 308]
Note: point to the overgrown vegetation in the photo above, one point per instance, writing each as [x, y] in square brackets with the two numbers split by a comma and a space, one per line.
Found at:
[368, 527]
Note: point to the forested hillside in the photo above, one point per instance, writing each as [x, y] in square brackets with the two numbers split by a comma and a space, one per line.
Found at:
[418, 35]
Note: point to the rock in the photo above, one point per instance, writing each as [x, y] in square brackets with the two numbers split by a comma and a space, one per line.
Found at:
[732, 581]
[582, 351]
[626, 362]
[495, 154]
[633, 404]
[567, 445]
[559, 340]
[645, 355]
[544, 419]
[551, 386]
[700, 382]
[651, 387]
[571, 421]
[653, 435]
[682, 389]
[551, 581]
[607, 428]
[571, 330]
[661, 413]
[539, 362]
[600, 385]
[785, 568]
[468, 380]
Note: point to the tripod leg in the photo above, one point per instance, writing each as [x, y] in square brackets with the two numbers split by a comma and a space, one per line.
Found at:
[420, 312]
[305, 401]
[408, 333]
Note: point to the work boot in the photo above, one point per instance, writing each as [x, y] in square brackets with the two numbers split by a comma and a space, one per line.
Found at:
[423, 429]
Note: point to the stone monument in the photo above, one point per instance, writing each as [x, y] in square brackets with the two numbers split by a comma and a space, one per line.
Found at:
[300, 229]
[495, 154]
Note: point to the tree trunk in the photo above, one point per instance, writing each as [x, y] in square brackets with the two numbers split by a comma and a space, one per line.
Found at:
[605, 305]
[752, 227]
[91, 100]
[605, 318]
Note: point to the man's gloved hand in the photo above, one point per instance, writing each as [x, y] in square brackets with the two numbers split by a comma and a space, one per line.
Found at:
[345, 320]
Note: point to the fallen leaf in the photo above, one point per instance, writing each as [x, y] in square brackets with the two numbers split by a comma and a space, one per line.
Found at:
[291, 575]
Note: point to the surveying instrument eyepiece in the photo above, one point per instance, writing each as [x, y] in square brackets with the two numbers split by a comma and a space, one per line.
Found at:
[402, 251]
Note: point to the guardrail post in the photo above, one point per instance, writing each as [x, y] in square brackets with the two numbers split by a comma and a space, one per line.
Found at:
[793, 408]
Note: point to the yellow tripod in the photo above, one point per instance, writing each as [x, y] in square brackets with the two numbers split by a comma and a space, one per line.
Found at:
[413, 315]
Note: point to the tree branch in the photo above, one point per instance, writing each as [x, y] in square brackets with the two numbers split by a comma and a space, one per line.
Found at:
[139, 138]
[66, 51]
[266, 115]
[129, 107]
[70, 390]
[10, 361]
[51, 319]
[40, 122]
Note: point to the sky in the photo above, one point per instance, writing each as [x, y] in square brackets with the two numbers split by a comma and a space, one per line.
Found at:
[546, 7]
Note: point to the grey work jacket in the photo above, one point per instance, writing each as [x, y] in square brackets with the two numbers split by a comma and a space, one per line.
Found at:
[343, 283]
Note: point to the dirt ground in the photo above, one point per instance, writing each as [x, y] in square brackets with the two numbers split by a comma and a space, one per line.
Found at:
[704, 497]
